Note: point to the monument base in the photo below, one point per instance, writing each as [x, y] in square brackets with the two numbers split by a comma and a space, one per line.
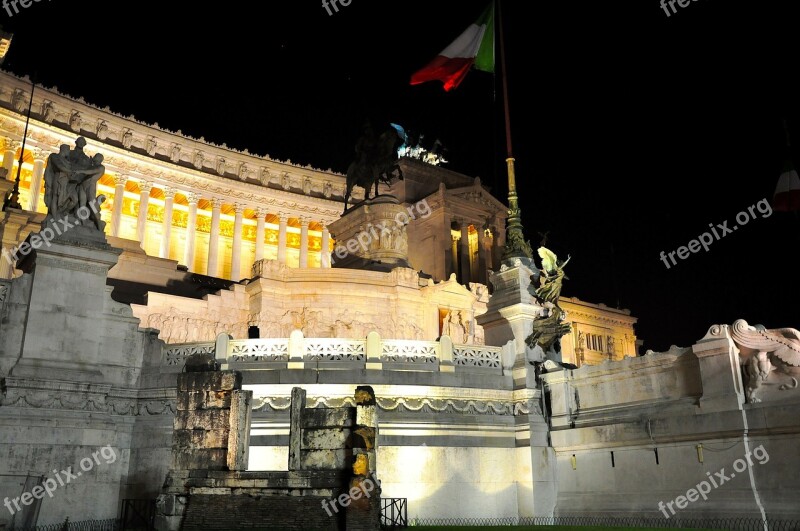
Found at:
[372, 235]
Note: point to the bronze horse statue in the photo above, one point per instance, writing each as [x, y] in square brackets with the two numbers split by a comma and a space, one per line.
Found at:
[375, 163]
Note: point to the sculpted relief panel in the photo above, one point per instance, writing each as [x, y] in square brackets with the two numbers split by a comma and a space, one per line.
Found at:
[343, 324]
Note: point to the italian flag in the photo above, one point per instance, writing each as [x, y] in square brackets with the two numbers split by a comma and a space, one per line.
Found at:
[787, 193]
[473, 47]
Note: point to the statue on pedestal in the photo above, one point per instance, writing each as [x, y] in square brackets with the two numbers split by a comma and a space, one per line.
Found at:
[70, 181]
[376, 161]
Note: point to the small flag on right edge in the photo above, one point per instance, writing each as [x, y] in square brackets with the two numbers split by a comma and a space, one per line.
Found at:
[473, 47]
[787, 193]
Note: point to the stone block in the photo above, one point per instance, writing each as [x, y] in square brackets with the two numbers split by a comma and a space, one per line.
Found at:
[210, 381]
[296, 411]
[239, 434]
[343, 417]
[190, 400]
[211, 419]
[210, 459]
[217, 491]
[204, 482]
[325, 439]
[325, 459]
[200, 438]
[367, 416]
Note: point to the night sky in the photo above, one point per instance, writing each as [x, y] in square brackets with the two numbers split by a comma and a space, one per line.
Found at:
[633, 131]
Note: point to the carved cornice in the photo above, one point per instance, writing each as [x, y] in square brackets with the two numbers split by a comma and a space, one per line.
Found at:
[405, 405]
[58, 395]
[171, 158]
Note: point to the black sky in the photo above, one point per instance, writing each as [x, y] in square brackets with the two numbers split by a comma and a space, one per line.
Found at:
[632, 130]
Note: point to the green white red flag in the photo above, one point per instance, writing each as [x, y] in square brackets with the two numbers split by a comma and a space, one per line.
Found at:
[474, 47]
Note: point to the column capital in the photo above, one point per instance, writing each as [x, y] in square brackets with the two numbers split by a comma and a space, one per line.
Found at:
[120, 180]
[145, 186]
[39, 154]
[304, 221]
[238, 208]
[216, 203]
[325, 228]
[192, 198]
[283, 217]
[169, 193]
[261, 213]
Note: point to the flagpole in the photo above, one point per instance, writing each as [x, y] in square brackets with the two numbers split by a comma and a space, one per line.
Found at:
[516, 245]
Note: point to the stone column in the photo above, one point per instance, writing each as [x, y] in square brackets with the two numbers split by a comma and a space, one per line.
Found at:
[304, 242]
[213, 239]
[282, 237]
[119, 196]
[39, 159]
[453, 255]
[463, 250]
[9, 151]
[236, 251]
[446, 247]
[191, 230]
[260, 214]
[144, 201]
[325, 253]
[169, 199]
[480, 274]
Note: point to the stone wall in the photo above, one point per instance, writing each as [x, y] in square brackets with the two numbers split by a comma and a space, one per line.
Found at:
[216, 512]
[331, 457]
[70, 362]
[632, 434]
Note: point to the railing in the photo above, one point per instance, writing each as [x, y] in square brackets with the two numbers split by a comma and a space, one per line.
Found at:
[138, 514]
[394, 513]
[632, 522]
[332, 353]
[85, 525]
[176, 355]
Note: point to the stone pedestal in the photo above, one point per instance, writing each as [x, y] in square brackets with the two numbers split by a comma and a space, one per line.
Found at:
[68, 296]
[372, 235]
[720, 371]
[508, 321]
[512, 307]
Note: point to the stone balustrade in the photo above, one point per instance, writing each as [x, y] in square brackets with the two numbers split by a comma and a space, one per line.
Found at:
[299, 352]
